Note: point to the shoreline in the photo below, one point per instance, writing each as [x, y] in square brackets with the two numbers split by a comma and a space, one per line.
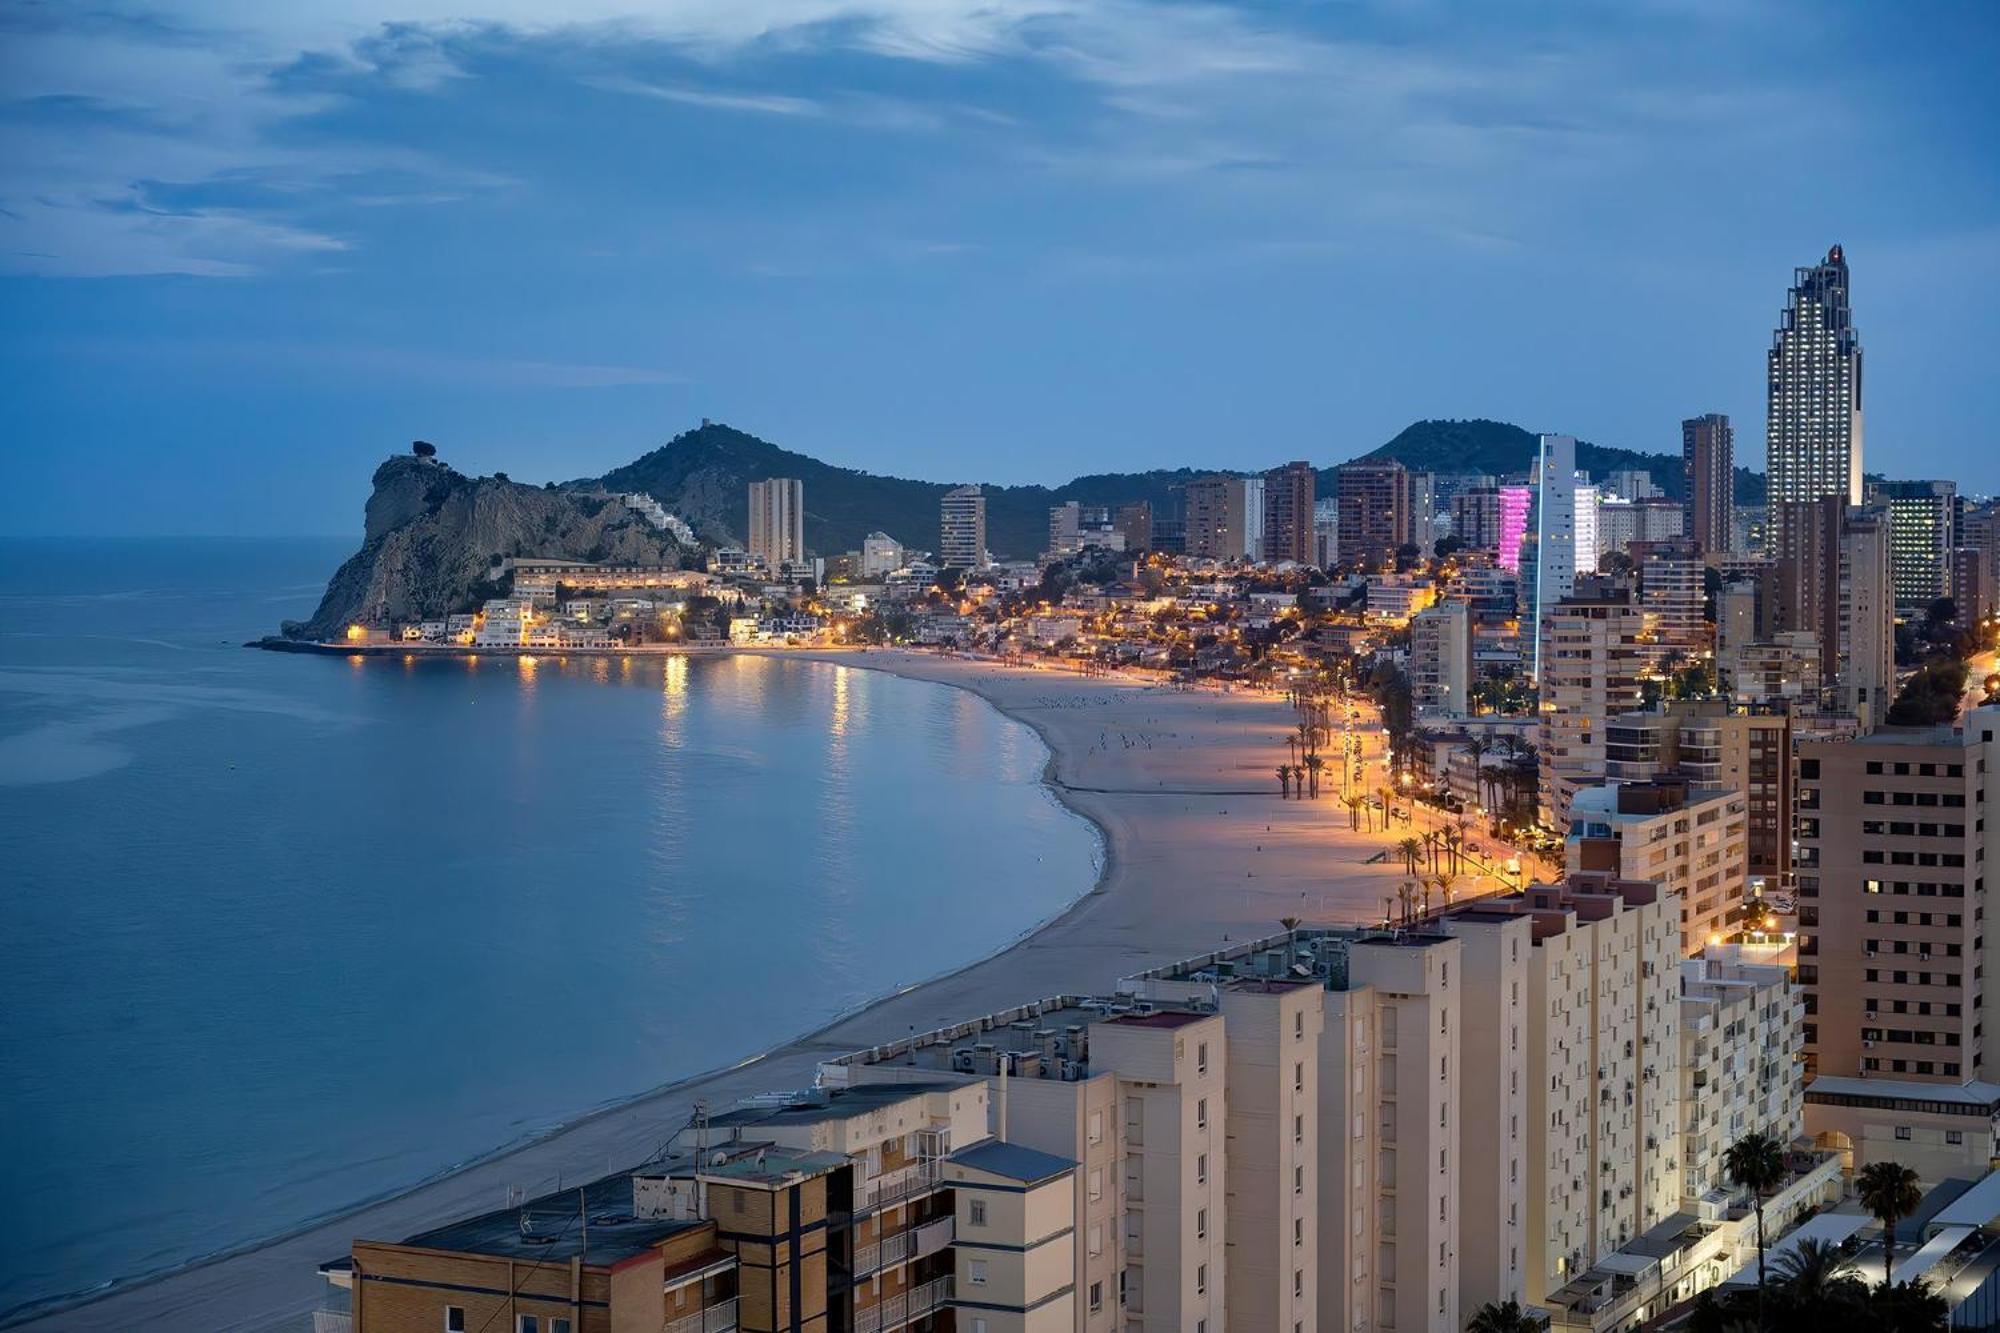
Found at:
[270, 1282]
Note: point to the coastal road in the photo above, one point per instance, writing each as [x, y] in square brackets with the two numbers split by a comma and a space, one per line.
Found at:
[1201, 851]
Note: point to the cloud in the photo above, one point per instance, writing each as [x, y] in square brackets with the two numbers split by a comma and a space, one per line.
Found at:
[771, 104]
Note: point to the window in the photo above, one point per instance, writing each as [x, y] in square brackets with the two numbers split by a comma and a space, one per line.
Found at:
[1201, 1057]
[527, 1323]
[1201, 1224]
[1298, 1282]
[1096, 1297]
[454, 1319]
[1097, 1238]
[558, 1325]
[1903, 1133]
[1096, 1183]
[1201, 1114]
[1201, 1280]
[1201, 1169]
[975, 1272]
[1097, 1126]
[979, 1325]
[1299, 1024]
[1298, 1180]
[1954, 1136]
[1298, 1231]
[1298, 1129]
[1299, 1077]
[975, 1213]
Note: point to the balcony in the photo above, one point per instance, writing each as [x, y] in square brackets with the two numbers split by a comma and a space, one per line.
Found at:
[934, 1236]
[715, 1319]
[892, 1187]
[898, 1310]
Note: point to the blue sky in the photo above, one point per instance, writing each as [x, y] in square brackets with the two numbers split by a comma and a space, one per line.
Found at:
[247, 249]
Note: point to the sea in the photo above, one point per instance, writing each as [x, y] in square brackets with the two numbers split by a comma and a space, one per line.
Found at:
[282, 933]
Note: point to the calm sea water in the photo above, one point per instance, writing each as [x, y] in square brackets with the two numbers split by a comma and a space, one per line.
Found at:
[280, 933]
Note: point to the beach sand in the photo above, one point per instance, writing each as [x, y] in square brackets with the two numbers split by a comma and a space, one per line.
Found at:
[1201, 850]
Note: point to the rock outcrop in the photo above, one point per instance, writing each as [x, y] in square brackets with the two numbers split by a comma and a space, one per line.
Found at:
[433, 535]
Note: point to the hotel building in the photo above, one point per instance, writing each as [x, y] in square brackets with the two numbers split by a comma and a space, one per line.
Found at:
[1595, 650]
[1708, 460]
[778, 522]
[1813, 408]
[1690, 841]
[1288, 514]
[1922, 532]
[1374, 509]
[1441, 658]
[962, 529]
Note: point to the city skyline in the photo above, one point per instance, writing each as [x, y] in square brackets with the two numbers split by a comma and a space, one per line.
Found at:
[226, 318]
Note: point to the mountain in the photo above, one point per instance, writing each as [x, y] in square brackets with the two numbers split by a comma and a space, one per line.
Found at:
[1497, 448]
[432, 534]
[704, 475]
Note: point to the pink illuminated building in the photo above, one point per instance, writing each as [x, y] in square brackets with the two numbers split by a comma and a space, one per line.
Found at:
[1515, 502]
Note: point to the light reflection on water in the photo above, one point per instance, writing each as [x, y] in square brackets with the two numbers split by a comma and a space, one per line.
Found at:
[323, 927]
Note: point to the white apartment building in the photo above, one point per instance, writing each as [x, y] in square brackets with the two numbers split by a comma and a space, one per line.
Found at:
[881, 555]
[1741, 1065]
[1441, 659]
[1691, 841]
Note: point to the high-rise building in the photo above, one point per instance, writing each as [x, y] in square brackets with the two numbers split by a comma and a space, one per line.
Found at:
[1708, 460]
[778, 522]
[1517, 504]
[1225, 518]
[1374, 503]
[1595, 650]
[1423, 506]
[962, 529]
[1565, 525]
[1326, 532]
[1839, 583]
[1672, 591]
[1441, 658]
[1135, 522]
[1894, 942]
[1475, 517]
[1691, 841]
[1923, 517]
[1812, 430]
[1288, 513]
[1632, 483]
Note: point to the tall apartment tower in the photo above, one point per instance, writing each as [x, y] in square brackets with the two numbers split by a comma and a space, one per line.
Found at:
[962, 529]
[1813, 414]
[1374, 508]
[1597, 650]
[1288, 513]
[1565, 526]
[778, 522]
[1225, 518]
[1708, 455]
[1923, 529]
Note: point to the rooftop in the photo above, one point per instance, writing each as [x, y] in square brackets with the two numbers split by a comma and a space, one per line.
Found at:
[1027, 1165]
[553, 1228]
[820, 1105]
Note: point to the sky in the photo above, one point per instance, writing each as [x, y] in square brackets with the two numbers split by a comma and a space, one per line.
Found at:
[249, 249]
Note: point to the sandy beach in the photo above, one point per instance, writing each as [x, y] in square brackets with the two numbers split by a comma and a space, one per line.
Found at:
[1200, 849]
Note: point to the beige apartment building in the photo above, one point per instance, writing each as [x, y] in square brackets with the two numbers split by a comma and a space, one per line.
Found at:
[1013, 1216]
[1741, 1063]
[1690, 841]
[1714, 744]
[1441, 659]
[1595, 647]
[1893, 943]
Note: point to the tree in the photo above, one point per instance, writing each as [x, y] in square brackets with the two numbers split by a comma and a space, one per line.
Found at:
[1755, 1162]
[1284, 781]
[1504, 1317]
[1411, 850]
[423, 449]
[1889, 1190]
[1814, 1274]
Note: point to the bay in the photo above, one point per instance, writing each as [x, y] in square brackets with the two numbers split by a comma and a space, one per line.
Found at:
[279, 933]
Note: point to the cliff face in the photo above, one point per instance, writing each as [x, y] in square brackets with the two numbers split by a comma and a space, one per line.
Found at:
[432, 534]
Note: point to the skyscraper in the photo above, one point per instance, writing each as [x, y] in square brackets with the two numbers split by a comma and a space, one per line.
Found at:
[1565, 526]
[778, 522]
[1374, 511]
[1288, 513]
[1708, 455]
[1923, 529]
[1225, 518]
[962, 529]
[1813, 417]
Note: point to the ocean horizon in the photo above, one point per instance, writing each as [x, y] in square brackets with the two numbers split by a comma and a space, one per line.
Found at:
[285, 933]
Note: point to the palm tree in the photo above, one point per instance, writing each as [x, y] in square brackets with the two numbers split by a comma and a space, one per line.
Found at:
[1285, 781]
[1313, 765]
[1814, 1273]
[1755, 1162]
[1888, 1190]
[1411, 849]
[1504, 1317]
[1444, 880]
[1353, 804]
